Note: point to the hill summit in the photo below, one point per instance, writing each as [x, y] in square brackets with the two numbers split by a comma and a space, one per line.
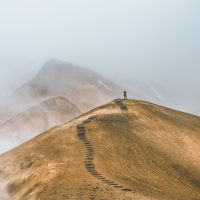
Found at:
[123, 150]
[58, 78]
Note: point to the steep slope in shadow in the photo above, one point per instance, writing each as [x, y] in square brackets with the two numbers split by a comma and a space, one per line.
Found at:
[150, 151]
[36, 120]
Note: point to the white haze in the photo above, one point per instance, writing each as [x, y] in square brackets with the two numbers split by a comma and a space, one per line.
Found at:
[3, 194]
[153, 43]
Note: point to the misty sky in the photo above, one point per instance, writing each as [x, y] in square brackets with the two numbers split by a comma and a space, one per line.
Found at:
[146, 40]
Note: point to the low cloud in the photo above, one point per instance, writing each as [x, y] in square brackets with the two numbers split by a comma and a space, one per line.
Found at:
[3, 194]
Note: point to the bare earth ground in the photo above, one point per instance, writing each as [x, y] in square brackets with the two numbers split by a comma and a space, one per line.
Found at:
[152, 150]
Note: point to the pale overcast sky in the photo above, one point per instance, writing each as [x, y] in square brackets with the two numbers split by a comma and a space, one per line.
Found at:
[146, 40]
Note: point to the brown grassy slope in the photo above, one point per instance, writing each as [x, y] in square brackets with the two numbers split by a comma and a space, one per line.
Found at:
[151, 149]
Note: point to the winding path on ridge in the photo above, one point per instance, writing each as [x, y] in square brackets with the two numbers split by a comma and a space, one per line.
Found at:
[89, 159]
[90, 154]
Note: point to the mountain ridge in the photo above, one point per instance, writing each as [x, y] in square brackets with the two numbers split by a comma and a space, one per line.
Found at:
[82, 86]
[149, 149]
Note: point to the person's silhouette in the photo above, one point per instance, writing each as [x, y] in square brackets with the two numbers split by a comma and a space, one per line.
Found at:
[125, 94]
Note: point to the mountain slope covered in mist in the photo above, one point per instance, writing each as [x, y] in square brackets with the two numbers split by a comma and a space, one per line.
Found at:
[122, 150]
[85, 88]
[36, 120]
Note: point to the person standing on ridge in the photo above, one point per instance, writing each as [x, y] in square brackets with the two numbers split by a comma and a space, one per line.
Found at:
[125, 94]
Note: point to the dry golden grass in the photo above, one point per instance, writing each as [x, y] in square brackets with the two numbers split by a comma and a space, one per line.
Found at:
[152, 150]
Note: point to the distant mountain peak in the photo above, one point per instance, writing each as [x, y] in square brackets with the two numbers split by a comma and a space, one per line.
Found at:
[56, 61]
[55, 65]
[57, 70]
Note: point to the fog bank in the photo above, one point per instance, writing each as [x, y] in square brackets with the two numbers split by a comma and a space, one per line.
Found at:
[3, 194]
[153, 42]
